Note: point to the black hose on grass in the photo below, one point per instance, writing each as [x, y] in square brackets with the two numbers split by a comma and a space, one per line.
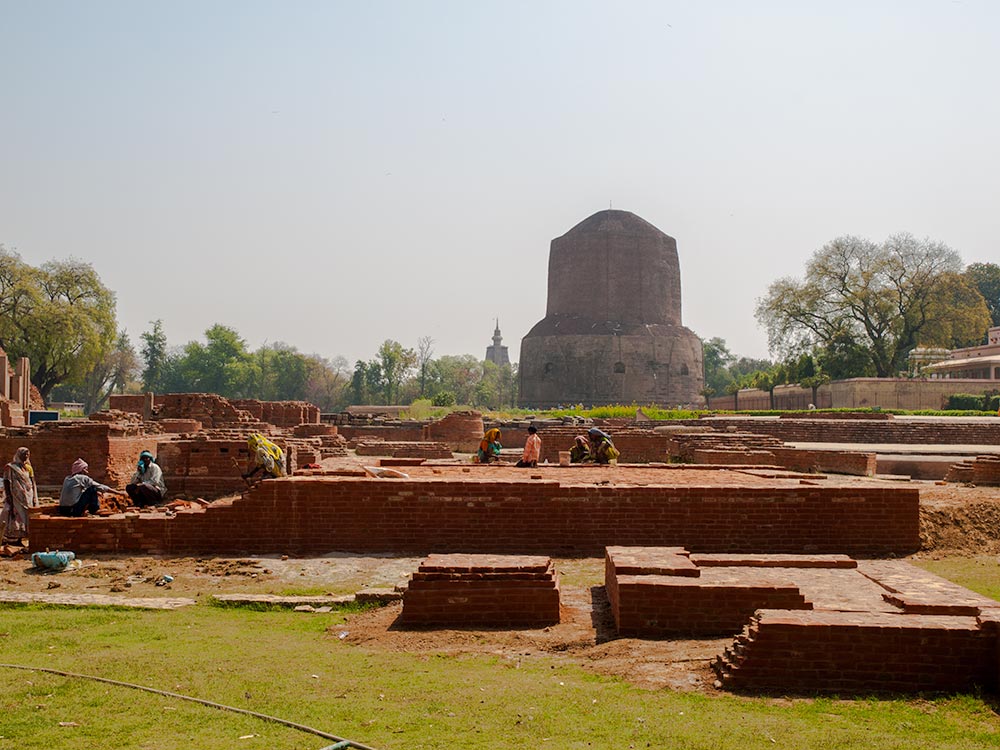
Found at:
[265, 717]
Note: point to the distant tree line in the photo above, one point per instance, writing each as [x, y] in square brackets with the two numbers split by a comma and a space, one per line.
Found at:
[859, 310]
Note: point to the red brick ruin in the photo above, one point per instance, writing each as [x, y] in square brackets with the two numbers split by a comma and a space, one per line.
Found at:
[766, 529]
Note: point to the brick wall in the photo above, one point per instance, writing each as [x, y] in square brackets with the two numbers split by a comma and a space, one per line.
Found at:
[482, 590]
[947, 432]
[280, 413]
[406, 431]
[202, 467]
[857, 652]
[664, 606]
[315, 514]
[461, 430]
[110, 451]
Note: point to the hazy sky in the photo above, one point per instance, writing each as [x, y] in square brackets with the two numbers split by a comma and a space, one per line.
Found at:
[333, 174]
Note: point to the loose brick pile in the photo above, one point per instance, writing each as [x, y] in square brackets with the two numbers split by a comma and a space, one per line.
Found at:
[208, 408]
[482, 590]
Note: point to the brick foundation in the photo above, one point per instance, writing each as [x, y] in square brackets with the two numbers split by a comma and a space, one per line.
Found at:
[858, 652]
[482, 590]
[318, 514]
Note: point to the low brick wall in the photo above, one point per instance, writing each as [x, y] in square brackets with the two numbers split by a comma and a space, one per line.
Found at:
[653, 606]
[482, 590]
[410, 432]
[835, 462]
[111, 451]
[660, 592]
[945, 432]
[402, 449]
[318, 514]
[858, 652]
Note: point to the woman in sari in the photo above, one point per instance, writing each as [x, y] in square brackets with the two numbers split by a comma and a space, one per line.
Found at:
[20, 493]
[580, 452]
[489, 446]
[265, 456]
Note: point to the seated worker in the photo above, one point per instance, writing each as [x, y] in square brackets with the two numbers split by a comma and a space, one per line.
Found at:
[532, 449]
[489, 447]
[80, 493]
[580, 452]
[603, 449]
[264, 456]
[146, 487]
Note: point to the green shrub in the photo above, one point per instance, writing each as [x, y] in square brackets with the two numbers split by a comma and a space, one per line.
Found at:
[973, 402]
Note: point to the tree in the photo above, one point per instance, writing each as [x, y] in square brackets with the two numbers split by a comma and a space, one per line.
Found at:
[889, 297]
[222, 365]
[60, 316]
[457, 374]
[425, 348]
[154, 357]
[284, 373]
[326, 383]
[112, 373]
[395, 363]
[717, 358]
[986, 278]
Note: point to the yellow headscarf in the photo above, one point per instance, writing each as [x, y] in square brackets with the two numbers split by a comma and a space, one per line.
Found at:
[491, 436]
[262, 449]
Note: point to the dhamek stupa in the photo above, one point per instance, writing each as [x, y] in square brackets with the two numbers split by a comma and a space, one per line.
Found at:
[612, 331]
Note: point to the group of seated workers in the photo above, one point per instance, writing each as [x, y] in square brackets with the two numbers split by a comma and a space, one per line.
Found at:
[596, 447]
[81, 494]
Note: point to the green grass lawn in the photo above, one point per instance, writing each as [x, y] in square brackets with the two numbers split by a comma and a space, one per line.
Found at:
[294, 666]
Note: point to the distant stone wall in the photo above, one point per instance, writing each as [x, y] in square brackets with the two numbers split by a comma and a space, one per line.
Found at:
[948, 432]
[856, 393]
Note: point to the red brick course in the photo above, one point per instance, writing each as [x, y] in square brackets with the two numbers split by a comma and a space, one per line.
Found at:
[317, 514]
[857, 652]
[482, 590]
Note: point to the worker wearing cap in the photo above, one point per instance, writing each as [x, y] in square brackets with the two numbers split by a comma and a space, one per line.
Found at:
[146, 487]
[80, 493]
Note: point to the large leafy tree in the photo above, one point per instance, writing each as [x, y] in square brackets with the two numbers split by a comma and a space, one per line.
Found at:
[395, 365]
[986, 278]
[717, 358]
[887, 297]
[59, 315]
[112, 373]
[221, 365]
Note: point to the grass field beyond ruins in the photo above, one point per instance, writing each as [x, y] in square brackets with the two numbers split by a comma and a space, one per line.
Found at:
[297, 667]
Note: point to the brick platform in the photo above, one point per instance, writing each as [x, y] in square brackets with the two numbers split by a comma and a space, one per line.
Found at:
[858, 652]
[482, 591]
[819, 623]
[659, 592]
[503, 510]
